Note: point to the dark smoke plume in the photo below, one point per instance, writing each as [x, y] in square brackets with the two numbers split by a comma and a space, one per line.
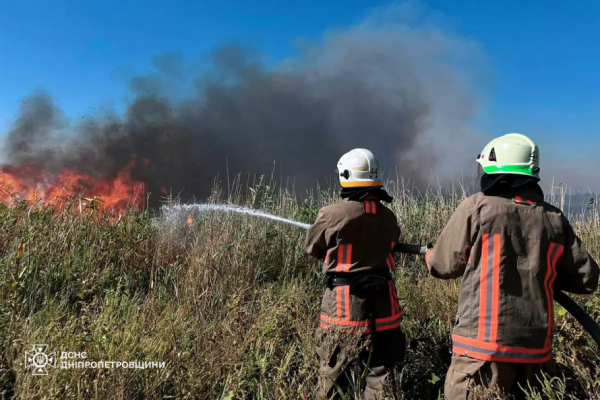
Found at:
[402, 90]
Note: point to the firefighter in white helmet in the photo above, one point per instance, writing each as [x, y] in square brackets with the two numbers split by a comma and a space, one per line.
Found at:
[359, 169]
[360, 316]
[512, 250]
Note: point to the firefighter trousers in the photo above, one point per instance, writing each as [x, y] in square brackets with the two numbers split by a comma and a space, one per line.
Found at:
[467, 377]
[343, 358]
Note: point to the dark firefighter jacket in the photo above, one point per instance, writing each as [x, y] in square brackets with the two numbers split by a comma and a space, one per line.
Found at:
[356, 238]
[512, 252]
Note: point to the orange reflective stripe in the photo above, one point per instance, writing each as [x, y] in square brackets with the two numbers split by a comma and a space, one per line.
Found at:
[344, 258]
[391, 322]
[342, 298]
[520, 200]
[342, 322]
[483, 287]
[348, 261]
[370, 207]
[489, 346]
[390, 258]
[338, 301]
[362, 326]
[329, 323]
[495, 288]
[492, 352]
[489, 288]
[390, 261]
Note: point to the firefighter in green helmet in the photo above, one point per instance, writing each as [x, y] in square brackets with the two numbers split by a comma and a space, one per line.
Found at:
[512, 250]
[360, 316]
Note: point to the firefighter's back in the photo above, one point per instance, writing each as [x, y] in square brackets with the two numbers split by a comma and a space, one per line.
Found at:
[358, 238]
[506, 301]
[363, 234]
[512, 250]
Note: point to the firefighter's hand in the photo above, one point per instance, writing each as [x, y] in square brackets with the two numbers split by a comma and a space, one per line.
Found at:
[426, 248]
[428, 253]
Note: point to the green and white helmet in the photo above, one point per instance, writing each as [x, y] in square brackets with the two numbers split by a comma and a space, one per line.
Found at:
[512, 153]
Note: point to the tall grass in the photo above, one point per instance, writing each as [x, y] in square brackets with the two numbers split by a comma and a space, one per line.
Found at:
[230, 303]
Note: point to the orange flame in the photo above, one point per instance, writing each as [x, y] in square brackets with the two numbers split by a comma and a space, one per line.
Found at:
[27, 182]
[190, 220]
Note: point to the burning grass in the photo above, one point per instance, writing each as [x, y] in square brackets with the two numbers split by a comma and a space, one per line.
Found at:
[36, 185]
[229, 302]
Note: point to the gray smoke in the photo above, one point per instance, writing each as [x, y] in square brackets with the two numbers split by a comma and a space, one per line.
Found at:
[403, 90]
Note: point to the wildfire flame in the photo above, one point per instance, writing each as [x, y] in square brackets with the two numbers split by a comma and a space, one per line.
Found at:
[31, 183]
[190, 220]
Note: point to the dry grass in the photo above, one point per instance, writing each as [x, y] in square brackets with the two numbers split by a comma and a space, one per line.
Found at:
[230, 303]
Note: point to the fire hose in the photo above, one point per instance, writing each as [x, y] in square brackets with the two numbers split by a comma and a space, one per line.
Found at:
[560, 297]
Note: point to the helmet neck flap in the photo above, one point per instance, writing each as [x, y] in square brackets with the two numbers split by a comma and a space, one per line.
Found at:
[502, 184]
[360, 194]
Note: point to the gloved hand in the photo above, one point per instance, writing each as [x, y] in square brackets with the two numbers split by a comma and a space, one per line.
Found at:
[426, 248]
[428, 253]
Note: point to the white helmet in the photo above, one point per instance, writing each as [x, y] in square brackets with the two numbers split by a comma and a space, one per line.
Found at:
[359, 168]
[512, 153]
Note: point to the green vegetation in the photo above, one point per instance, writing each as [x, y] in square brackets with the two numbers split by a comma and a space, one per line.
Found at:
[230, 303]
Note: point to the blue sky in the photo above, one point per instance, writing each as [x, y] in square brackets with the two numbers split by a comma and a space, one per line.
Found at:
[543, 55]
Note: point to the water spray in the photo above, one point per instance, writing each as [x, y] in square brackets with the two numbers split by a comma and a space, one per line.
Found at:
[180, 211]
[172, 211]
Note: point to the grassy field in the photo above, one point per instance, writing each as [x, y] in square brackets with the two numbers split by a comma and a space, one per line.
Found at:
[229, 304]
